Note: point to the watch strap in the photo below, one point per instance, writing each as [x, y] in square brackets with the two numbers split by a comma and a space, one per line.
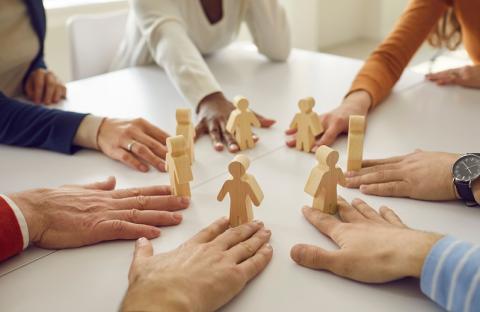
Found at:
[465, 192]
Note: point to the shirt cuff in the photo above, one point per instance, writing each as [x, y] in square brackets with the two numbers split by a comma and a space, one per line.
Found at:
[87, 132]
[22, 223]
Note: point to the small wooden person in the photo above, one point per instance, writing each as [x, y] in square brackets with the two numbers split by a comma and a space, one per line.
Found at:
[308, 125]
[240, 123]
[178, 166]
[356, 134]
[323, 180]
[243, 190]
[185, 128]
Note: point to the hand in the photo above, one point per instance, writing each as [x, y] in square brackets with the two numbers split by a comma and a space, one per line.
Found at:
[203, 274]
[213, 113]
[74, 216]
[149, 143]
[393, 250]
[420, 175]
[336, 122]
[42, 86]
[468, 76]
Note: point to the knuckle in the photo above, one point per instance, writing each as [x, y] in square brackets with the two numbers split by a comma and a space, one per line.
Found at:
[133, 215]
[118, 226]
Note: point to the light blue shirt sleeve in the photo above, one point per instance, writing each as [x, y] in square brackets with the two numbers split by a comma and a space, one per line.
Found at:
[451, 275]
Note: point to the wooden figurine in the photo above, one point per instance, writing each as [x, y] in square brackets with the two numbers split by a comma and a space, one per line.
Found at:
[243, 190]
[178, 166]
[323, 180]
[356, 134]
[308, 125]
[185, 128]
[240, 123]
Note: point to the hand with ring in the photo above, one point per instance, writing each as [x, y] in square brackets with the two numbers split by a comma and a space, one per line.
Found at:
[467, 76]
[136, 143]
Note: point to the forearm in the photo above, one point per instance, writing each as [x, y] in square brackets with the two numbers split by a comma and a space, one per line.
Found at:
[450, 275]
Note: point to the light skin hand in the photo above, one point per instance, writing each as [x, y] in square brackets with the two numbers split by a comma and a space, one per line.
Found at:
[42, 86]
[395, 250]
[74, 216]
[419, 175]
[213, 113]
[335, 123]
[202, 274]
[115, 135]
[467, 76]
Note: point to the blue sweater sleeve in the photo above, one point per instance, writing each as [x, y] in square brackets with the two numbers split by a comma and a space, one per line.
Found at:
[29, 125]
[451, 275]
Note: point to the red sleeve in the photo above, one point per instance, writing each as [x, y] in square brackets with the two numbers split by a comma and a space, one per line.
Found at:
[11, 239]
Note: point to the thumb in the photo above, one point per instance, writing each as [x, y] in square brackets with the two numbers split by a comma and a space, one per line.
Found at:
[265, 122]
[313, 257]
[143, 249]
[106, 185]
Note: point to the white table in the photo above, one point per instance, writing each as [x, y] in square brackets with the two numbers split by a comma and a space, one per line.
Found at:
[94, 278]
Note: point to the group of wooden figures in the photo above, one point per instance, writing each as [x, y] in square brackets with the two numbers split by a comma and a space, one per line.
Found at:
[242, 187]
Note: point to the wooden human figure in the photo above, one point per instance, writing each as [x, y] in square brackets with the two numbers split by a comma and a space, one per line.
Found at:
[243, 190]
[178, 166]
[323, 180]
[185, 128]
[240, 123]
[356, 135]
[308, 125]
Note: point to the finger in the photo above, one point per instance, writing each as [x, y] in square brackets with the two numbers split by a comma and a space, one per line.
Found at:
[148, 217]
[229, 140]
[131, 161]
[291, 131]
[367, 211]
[119, 229]
[38, 86]
[50, 86]
[58, 94]
[382, 176]
[201, 129]
[106, 185]
[155, 146]
[325, 223]
[364, 171]
[168, 203]
[329, 136]
[254, 265]
[314, 257]
[248, 248]
[155, 132]
[347, 213]
[237, 234]
[211, 232]
[384, 161]
[215, 135]
[391, 217]
[390, 189]
[255, 138]
[265, 122]
[157, 190]
[143, 152]
[291, 143]
[143, 250]
[29, 88]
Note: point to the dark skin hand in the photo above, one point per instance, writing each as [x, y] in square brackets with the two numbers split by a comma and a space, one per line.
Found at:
[213, 112]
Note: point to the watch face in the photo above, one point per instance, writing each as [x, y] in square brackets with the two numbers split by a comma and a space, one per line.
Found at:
[467, 168]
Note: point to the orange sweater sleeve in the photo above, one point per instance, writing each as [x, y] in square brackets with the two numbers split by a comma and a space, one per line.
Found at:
[385, 65]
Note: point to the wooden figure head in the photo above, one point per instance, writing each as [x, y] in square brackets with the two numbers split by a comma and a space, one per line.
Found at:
[184, 115]
[306, 105]
[176, 145]
[241, 103]
[238, 166]
[326, 155]
[356, 123]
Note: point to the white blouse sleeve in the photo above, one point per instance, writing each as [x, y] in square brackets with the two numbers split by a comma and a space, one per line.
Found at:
[172, 49]
[269, 27]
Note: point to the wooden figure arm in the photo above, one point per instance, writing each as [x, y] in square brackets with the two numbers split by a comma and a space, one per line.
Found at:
[183, 170]
[254, 191]
[294, 123]
[254, 120]
[341, 177]
[223, 192]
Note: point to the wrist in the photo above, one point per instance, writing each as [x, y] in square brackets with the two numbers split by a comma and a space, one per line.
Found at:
[476, 190]
[416, 253]
[26, 204]
[360, 100]
[216, 97]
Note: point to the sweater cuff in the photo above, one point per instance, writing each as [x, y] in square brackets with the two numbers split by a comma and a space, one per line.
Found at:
[87, 132]
[14, 236]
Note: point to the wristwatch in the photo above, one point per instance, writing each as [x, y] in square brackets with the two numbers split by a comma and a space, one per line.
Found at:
[465, 171]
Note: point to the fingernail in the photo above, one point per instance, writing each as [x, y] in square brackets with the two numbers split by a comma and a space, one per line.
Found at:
[177, 216]
[143, 168]
[155, 231]
[258, 222]
[142, 241]
[185, 200]
[268, 246]
[267, 231]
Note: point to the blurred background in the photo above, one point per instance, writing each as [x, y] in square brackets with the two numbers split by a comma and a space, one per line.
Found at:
[351, 28]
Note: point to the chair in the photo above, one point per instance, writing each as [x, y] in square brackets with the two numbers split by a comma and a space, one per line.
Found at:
[94, 41]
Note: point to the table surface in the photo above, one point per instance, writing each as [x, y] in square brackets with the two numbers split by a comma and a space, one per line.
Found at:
[416, 115]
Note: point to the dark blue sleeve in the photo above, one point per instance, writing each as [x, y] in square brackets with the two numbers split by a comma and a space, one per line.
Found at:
[29, 125]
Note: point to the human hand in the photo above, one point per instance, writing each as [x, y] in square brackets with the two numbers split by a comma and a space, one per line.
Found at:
[74, 216]
[147, 143]
[336, 122]
[202, 274]
[419, 175]
[42, 86]
[467, 76]
[213, 113]
[374, 247]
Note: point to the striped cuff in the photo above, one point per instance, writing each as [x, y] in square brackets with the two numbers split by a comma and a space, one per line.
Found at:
[22, 223]
[451, 275]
